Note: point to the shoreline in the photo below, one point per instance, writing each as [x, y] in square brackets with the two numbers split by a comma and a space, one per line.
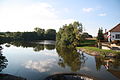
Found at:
[99, 52]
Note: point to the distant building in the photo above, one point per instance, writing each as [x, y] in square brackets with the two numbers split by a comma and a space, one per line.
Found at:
[113, 34]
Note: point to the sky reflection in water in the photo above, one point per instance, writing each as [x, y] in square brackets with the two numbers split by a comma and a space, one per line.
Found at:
[36, 61]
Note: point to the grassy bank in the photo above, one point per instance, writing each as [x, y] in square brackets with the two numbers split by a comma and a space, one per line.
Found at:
[88, 43]
[88, 46]
[97, 51]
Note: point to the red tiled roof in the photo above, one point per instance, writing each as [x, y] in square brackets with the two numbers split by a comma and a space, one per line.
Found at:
[115, 29]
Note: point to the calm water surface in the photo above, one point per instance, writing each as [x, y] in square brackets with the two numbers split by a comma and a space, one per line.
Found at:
[35, 61]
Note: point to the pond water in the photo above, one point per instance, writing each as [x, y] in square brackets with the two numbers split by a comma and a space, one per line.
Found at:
[36, 61]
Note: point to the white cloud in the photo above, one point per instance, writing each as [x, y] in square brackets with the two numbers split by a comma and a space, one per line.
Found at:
[102, 14]
[66, 9]
[85, 68]
[26, 17]
[87, 9]
[41, 66]
[50, 54]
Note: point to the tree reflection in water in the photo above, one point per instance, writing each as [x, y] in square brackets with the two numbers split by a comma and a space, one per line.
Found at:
[36, 47]
[111, 64]
[108, 62]
[49, 47]
[70, 57]
[3, 65]
[3, 61]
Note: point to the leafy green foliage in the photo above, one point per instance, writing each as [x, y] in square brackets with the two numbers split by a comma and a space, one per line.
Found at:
[70, 34]
[50, 34]
[100, 36]
[86, 35]
[38, 34]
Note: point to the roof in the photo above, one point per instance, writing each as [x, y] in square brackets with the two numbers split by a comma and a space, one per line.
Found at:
[115, 29]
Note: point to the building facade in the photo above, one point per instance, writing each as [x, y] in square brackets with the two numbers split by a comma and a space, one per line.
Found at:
[113, 34]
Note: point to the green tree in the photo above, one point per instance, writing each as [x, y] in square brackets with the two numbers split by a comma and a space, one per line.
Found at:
[100, 35]
[40, 32]
[70, 34]
[86, 35]
[50, 34]
[29, 36]
[17, 35]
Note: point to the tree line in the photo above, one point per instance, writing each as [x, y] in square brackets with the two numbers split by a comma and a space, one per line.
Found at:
[37, 34]
[71, 34]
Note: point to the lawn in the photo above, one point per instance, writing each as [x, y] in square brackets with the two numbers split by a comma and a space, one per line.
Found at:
[88, 46]
[88, 43]
[101, 51]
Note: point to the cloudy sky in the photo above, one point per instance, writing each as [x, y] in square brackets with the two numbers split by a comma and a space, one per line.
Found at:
[25, 15]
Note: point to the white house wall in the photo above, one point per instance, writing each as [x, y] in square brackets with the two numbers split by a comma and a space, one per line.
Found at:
[113, 35]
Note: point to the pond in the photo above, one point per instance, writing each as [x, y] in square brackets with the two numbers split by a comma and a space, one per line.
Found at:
[38, 60]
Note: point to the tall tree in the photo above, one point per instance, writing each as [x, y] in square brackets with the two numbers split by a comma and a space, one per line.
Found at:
[100, 35]
[40, 32]
[70, 34]
[50, 34]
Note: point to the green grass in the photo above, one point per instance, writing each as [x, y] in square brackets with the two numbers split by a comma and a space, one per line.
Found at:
[88, 43]
[94, 49]
[88, 46]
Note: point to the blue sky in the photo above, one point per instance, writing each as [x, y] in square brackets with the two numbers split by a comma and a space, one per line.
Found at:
[25, 15]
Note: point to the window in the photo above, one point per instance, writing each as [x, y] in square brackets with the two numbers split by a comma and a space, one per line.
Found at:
[117, 36]
[113, 36]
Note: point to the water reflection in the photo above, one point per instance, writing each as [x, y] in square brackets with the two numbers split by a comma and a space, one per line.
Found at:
[49, 47]
[69, 76]
[99, 45]
[111, 64]
[70, 57]
[107, 62]
[7, 45]
[3, 61]
[41, 66]
[22, 62]
[36, 46]
[10, 77]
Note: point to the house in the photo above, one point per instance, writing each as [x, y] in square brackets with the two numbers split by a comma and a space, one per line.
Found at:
[113, 34]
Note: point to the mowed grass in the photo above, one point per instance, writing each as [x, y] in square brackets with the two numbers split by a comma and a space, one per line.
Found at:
[94, 49]
[88, 43]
